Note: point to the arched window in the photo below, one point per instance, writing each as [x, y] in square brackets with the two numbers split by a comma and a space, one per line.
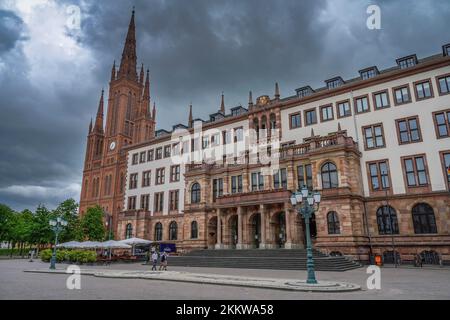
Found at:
[195, 193]
[387, 220]
[423, 219]
[129, 231]
[173, 231]
[329, 176]
[333, 223]
[194, 230]
[158, 231]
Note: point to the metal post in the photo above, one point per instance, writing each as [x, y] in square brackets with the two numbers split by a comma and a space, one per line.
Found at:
[307, 211]
[53, 259]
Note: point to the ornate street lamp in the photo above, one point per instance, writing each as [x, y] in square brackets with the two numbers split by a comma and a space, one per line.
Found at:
[310, 205]
[57, 226]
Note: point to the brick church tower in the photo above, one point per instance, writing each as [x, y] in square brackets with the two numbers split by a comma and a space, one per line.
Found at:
[128, 121]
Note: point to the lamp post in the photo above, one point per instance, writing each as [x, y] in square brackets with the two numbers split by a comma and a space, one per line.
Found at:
[57, 226]
[310, 205]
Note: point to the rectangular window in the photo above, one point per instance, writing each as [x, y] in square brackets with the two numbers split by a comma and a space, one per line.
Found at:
[175, 173]
[310, 117]
[373, 136]
[145, 201]
[159, 153]
[167, 150]
[379, 175]
[407, 62]
[238, 134]
[150, 155]
[173, 200]
[444, 84]
[236, 184]
[334, 83]
[446, 163]
[205, 142]
[160, 175]
[280, 179]
[304, 176]
[142, 157]
[135, 158]
[362, 104]
[424, 90]
[257, 181]
[344, 109]
[442, 123]
[215, 139]
[217, 188]
[226, 137]
[146, 176]
[326, 113]
[133, 180]
[132, 203]
[369, 73]
[408, 130]
[381, 100]
[295, 120]
[402, 95]
[159, 202]
[415, 171]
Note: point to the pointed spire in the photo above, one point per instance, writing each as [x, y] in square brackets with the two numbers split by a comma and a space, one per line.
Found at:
[190, 116]
[141, 78]
[128, 63]
[113, 71]
[312, 133]
[154, 111]
[147, 87]
[339, 127]
[90, 126]
[222, 104]
[277, 91]
[99, 119]
[250, 99]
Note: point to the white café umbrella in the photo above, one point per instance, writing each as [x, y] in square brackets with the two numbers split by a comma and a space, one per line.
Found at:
[70, 244]
[135, 241]
[112, 244]
[90, 245]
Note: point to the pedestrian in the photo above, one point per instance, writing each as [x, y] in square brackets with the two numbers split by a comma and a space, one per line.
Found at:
[147, 257]
[163, 264]
[154, 260]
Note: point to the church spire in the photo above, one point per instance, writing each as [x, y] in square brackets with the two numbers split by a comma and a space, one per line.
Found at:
[250, 99]
[154, 112]
[190, 116]
[147, 87]
[90, 126]
[99, 118]
[277, 91]
[141, 78]
[128, 63]
[222, 104]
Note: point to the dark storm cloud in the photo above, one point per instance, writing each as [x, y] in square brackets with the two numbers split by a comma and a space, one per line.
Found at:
[195, 50]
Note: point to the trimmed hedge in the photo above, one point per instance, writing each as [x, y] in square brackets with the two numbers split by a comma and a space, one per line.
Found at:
[77, 256]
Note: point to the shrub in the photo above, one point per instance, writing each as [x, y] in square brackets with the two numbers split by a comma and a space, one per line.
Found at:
[75, 256]
[46, 255]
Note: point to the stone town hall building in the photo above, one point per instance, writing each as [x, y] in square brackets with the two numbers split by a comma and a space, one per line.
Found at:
[377, 147]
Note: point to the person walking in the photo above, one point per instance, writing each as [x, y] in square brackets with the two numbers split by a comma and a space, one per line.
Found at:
[163, 265]
[154, 260]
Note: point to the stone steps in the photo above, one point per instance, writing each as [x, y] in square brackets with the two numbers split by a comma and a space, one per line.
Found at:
[281, 259]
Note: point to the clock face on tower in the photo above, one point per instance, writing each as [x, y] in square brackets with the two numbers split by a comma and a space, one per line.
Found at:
[112, 146]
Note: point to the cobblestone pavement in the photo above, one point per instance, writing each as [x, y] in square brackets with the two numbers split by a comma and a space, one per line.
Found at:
[400, 283]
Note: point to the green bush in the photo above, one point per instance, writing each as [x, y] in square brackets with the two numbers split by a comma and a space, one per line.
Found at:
[74, 256]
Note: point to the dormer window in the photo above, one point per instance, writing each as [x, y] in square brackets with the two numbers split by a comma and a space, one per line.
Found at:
[369, 73]
[304, 92]
[407, 62]
[334, 83]
[446, 50]
[237, 111]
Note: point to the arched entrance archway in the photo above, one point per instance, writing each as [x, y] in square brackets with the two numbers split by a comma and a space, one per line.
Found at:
[278, 229]
[212, 232]
[234, 234]
[255, 230]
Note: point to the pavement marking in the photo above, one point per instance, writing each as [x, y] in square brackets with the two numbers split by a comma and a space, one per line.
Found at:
[215, 279]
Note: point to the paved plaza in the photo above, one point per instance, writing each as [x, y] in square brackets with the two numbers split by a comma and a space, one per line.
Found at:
[400, 283]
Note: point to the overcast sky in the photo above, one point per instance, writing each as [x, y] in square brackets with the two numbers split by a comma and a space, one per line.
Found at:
[51, 74]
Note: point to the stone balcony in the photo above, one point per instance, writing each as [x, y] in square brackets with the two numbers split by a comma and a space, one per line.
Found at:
[310, 146]
[254, 197]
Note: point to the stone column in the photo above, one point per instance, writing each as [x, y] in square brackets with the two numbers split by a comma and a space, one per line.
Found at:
[263, 213]
[288, 214]
[240, 230]
[219, 244]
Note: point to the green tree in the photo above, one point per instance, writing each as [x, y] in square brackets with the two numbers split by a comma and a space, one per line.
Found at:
[6, 214]
[92, 224]
[41, 231]
[68, 210]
